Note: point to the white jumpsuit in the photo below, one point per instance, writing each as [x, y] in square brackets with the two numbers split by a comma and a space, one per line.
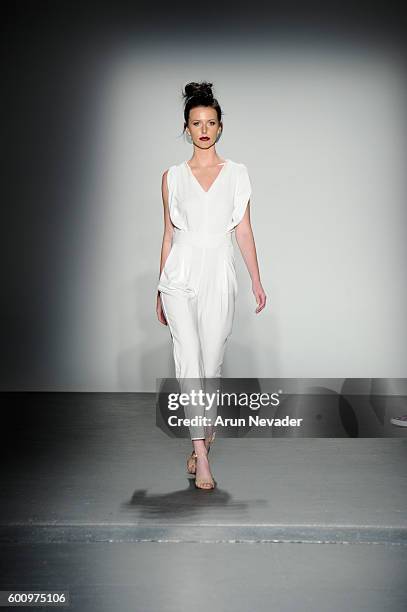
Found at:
[198, 284]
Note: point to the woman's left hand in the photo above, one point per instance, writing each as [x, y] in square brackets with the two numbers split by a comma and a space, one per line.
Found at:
[260, 296]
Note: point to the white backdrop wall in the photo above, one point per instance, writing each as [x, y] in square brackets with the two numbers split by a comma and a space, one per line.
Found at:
[322, 133]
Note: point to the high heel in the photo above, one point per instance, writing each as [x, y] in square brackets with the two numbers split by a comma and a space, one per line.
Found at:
[204, 483]
[191, 461]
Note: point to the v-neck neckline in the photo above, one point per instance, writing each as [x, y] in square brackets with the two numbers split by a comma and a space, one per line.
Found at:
[213, 183]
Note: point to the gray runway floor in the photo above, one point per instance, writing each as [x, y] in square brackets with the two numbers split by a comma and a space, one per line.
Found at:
[96, 499]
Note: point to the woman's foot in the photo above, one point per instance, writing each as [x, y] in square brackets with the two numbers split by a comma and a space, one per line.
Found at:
[203, 478]
[191, 460]
[191, 463]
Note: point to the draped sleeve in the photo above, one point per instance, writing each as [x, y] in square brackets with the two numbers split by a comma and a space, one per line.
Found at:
[243, 191]
[175, 203]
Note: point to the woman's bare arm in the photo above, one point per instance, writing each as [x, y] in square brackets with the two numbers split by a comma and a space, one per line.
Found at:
[168, 227]
[245, 241]
[166, 244]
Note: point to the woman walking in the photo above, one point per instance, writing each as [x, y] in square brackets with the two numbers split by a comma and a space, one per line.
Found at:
[205, 199]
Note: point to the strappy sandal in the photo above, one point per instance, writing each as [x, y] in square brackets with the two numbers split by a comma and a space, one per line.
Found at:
[202, 483]
[191, 461]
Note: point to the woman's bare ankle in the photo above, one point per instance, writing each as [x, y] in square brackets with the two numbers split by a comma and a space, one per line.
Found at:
[199, 447]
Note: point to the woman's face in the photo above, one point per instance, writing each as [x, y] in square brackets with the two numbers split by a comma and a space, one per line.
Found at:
[203, 123]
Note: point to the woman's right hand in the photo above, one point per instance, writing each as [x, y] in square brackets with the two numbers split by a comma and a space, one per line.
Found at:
[160, 312]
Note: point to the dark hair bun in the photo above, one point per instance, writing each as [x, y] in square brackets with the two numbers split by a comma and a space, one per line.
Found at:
[200, 91]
